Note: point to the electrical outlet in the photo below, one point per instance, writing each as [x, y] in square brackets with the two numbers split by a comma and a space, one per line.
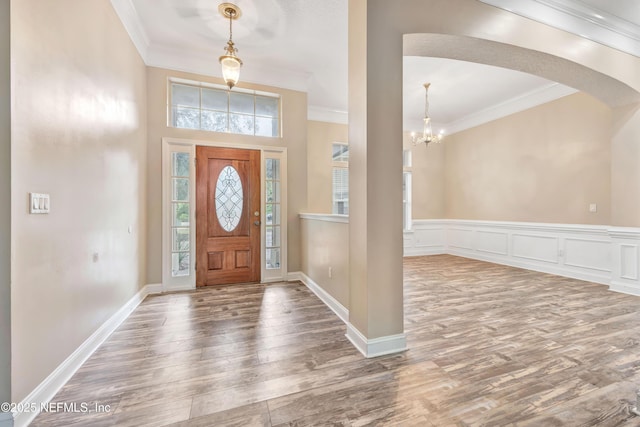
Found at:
[593, 208]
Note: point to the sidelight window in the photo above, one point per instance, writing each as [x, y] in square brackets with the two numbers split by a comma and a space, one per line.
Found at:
[181, 214]
[273, 205]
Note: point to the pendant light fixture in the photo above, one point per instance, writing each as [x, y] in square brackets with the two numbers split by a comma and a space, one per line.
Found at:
[427, 132]
[229, 61]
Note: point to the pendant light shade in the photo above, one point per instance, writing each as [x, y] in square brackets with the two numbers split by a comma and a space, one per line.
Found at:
[230, 68]
[230, 62]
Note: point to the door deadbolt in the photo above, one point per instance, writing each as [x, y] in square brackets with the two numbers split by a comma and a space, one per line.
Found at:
[256, 213]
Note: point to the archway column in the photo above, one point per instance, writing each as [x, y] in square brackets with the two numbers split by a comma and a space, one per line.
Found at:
[376, 313]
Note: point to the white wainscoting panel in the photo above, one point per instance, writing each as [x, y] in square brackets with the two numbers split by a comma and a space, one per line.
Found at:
[629, 261]
[535, 247]
[626, 262]
[460, 238]
[601, 254]
[589, 254]
[430, 238]
[427, 237]
[493, 242]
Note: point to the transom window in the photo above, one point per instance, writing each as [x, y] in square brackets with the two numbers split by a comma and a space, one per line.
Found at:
[221, 110]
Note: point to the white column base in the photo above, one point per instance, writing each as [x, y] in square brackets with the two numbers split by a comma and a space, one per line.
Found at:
[377, 346]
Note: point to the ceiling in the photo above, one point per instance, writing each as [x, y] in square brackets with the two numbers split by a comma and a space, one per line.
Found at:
[302, 45]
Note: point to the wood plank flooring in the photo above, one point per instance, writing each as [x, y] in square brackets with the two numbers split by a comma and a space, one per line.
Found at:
[489, 346]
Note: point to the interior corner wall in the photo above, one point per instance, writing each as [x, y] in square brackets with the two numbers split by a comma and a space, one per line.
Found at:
[294, 138]
[5, 202]
[545, 164]
[79, 135]
[320, 138]
[427, 179]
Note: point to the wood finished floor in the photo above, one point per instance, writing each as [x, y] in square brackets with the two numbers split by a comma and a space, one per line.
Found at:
[489, 346]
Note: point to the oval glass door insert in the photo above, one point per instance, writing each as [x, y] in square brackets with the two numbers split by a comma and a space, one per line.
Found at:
[229, 198]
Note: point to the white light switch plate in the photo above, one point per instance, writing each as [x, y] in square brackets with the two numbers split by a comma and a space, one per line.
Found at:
[39, 203]
[593, 207]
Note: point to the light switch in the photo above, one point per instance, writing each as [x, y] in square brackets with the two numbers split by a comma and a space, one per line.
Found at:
[593, 207]
[39, 203]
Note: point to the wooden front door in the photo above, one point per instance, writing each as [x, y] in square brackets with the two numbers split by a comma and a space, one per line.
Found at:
[227, 216]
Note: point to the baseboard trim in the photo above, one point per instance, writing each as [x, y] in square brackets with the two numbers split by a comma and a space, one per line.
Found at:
[154, 289]
[294, 275]
[550, 268]
[417, 251]
[368, 347]
[377, 346]
[174, 289]
[339, 309]
[48, 388]
[6, 419]
[624, 288]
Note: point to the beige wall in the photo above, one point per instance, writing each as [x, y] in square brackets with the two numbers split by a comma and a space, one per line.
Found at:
[545, 164]
[427, 177]
[320, 137]
[5, 204]
[625, 167]
[294, 136]
[79, 134]
[326, 245]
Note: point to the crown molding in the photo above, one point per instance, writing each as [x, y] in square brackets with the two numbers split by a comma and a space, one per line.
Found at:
[577, 18]
[323, 114]
[523, 102]
[130, 19]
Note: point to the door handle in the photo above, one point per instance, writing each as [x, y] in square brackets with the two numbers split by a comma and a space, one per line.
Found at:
[256, 223]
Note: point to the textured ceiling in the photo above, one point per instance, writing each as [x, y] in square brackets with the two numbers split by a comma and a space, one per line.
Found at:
[302, 45]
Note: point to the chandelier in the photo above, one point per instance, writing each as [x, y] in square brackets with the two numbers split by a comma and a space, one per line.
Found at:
[230, 62]
[427, 132]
